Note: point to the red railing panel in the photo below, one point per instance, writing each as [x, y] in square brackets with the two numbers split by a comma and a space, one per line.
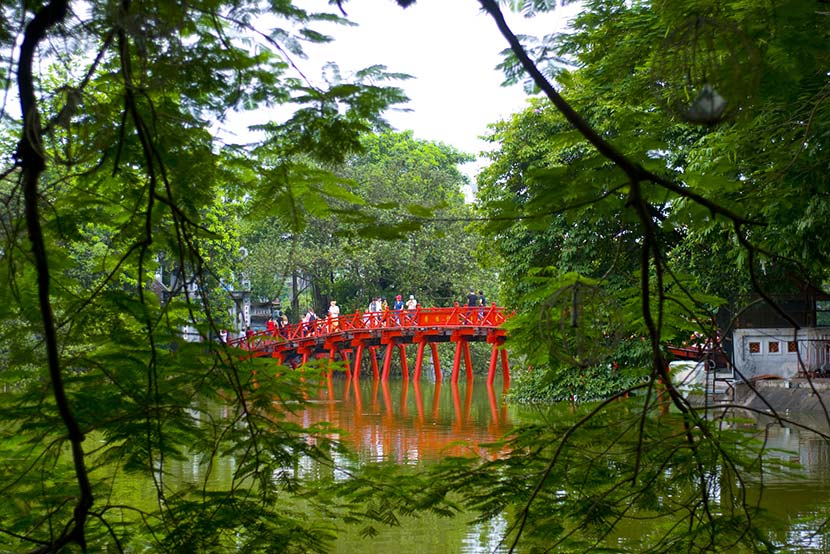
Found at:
[455, 317]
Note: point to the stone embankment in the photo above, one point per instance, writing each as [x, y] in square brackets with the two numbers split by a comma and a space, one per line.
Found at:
[785, 395]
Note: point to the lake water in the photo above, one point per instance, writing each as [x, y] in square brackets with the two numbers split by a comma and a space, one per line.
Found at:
[409, 422]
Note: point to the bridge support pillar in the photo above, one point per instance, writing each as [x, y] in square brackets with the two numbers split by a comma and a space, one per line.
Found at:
[436, 363]
[404, 364]
[491, 397]
[456, 362]
[329, 386]
[332, 355]
[494, 357]
[468, 362]
[345, 355]
[387, 362]
[373, 354]
[358, 359]
[419, 360]
[505, 369]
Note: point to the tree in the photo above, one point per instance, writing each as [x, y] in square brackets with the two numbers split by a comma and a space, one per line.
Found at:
[581, 177]
[114, 176]
[414, 189]
[138, 161]
[635, 151]
[396, 225]
[563, 267]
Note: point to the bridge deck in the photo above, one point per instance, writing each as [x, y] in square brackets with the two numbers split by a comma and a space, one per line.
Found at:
[339, 337]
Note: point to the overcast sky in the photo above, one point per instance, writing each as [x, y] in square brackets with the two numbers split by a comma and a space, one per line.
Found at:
[450, 48]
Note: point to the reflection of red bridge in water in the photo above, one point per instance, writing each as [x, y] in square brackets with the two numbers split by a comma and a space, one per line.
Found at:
[398, 422]
[339, 338]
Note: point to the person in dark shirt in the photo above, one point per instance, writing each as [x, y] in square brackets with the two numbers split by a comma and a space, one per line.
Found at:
[472, 302]
[396, 309]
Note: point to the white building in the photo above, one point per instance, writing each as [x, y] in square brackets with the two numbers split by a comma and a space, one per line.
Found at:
[776, 351]
[765, 344]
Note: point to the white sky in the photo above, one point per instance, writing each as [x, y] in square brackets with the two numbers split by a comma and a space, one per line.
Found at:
[450, 48]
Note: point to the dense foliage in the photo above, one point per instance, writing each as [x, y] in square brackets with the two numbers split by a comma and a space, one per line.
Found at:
[684, 201]
[730, 205]
[398, 226]
[616, 222]
[119, 230]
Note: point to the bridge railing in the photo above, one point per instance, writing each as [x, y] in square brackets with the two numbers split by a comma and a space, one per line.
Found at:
[452, 317]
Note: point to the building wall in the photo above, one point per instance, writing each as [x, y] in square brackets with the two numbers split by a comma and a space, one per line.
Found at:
[775, 351]
[259, 313]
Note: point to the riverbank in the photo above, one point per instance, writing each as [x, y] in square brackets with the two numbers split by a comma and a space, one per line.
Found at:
[785, 395]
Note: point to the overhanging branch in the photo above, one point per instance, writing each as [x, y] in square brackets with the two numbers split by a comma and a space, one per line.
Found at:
[33, 163]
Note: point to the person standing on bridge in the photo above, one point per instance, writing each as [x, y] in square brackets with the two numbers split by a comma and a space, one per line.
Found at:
[308, 322]
[372, 316]
[411, 306]
[472, 302]
[397, 307]
[334, 317]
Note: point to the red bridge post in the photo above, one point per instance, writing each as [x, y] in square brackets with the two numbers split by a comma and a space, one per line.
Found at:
[387, 362]
[456, 362]
[373, 354]
[468, 361]
[419, 359]
[358, 358]
[494, 356]
[404, 365]
[436, 363]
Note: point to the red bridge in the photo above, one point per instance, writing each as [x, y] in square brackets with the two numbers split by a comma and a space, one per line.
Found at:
[339, 338]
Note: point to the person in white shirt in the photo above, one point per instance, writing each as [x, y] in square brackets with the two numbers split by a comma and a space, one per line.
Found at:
[411, 305]
[334, 316]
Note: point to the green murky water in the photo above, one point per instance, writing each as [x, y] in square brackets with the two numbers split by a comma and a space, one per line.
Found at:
[414, 422]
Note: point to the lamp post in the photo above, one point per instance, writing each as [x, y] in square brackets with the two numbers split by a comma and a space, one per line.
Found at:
[241, 300]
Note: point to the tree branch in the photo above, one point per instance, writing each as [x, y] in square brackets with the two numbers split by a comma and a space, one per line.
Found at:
[33, 163]
[635, 172]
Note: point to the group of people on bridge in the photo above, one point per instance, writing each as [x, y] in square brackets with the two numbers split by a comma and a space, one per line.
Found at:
[378, 314]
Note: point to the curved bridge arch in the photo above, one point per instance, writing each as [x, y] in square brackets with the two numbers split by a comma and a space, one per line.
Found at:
[340, 337]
